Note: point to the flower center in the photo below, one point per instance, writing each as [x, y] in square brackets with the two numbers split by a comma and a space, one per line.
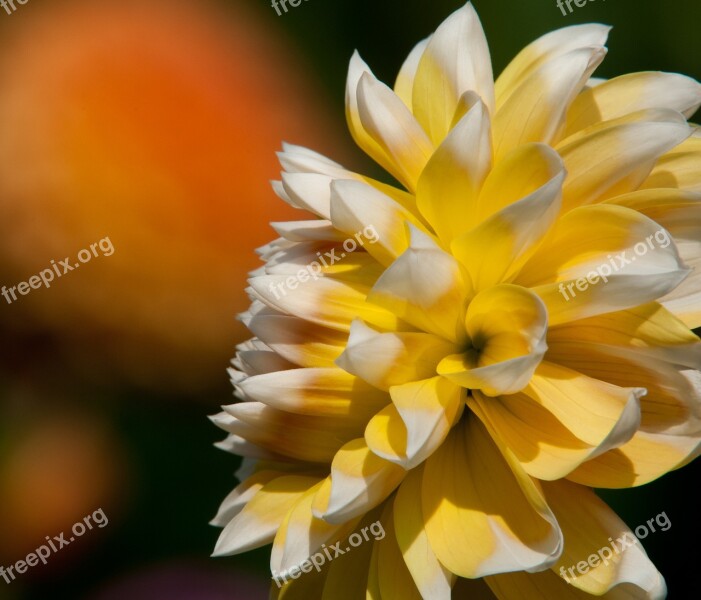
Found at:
[506, 327]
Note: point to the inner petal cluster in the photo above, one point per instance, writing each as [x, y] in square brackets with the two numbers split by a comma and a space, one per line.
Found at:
[506, 327]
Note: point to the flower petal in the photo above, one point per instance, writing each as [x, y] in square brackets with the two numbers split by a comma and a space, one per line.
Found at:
[630, 93]
[301, 534]
[389, 576]
[646, 457]
[483, 514]
[386, 435]
[545, 448]
[394, 129]
[679, 212]
[547, 48]
[257, 523]
[432, 579]
[298, 341]
[309, 191]
[513, 235]
[359, 481]
[357, 206]
[537, 110]
[392, 358]
[429, 409]
[616, 156]
[449, 186]
[597, 248]
[241, 495]
[404, 85]
[424, 287]
[455, 61]
[325, 301]
[302, 437]
[598, 413]
[520, 174]
[347, 575]
[685, 300]
[319, 391]
[546, 585]
[356, 70]
[506, 325]
[649, 329]
[679, 168]
[589, 525]
[297, 159]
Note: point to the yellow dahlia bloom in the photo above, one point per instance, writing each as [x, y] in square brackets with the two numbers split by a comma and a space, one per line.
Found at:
[508, 329]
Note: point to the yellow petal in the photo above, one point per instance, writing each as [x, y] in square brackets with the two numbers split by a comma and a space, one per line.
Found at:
[597, 412]
[685, 300]
[319, 392]
[429, 409]
[679, 168]
[449, 186]
[386, 435]
[301, 535]
[643, 459]
[678, 212]
[359, 481]
[616, 156]
[547, 48]
[393, 358]
[431, 578]
[392, 126]
[547, 585]
[630, 93]
[474, 589]
[325, 301]
[257, 523]
[483, 514]
[670, 413]
[306, 586]
[506, 326]
[404, 85]
[649, 329]
[356, 70]
[347, 575]
[393, 580]
[425, 288]
[307, 438]
[609, 255]
[545, 448]
[355, 204]
[296, 340]
[589, 526]
[455, 61]
[537, 109]
[512, 235]
[520, 174]
[234, 503]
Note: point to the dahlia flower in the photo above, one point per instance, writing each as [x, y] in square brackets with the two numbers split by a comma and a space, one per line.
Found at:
[516, 331]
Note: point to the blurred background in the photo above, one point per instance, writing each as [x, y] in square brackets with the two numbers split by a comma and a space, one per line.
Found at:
[155, 124]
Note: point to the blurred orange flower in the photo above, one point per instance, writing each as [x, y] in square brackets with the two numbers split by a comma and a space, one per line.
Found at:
[153, 123]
